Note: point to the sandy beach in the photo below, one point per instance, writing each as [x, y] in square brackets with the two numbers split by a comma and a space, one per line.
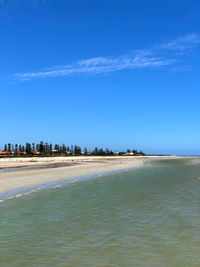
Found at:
[25, 172]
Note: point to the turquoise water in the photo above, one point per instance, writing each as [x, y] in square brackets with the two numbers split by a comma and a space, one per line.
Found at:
[147, 216]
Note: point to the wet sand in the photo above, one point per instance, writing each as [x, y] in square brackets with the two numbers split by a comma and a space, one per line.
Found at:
[25, 172]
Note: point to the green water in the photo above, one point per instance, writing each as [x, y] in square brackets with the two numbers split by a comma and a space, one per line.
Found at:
[144, 217]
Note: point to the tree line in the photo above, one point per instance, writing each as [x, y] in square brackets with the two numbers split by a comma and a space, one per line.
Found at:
[44, 148]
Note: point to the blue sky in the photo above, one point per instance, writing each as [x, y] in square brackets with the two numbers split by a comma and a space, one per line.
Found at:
[110, 73]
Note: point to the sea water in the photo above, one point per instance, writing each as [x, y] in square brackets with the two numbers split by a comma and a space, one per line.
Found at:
[147, 216]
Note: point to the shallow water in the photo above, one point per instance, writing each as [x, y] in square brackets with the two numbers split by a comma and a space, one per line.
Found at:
[147, 216]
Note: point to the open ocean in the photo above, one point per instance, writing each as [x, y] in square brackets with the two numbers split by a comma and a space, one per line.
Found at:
[148, 216]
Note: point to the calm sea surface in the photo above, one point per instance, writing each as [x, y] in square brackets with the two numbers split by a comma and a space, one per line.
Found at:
[147, 216]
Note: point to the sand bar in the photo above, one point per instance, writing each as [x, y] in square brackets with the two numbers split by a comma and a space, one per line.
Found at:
[18, 173]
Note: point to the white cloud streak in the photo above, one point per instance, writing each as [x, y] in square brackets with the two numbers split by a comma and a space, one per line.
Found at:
[186, 42]
[149, 58]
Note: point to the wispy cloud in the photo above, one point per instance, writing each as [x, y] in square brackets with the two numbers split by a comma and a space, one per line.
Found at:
[98, 65]
[154, 57]
[182, 43]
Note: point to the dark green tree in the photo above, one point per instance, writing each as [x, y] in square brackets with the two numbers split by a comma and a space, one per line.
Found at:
[95, 151]
[33, 146]
[28, 149]
[101, 152]
[16, 147]
[37, 147]
[78, 150]
[41, 147]
[56, 147]
[75, 150]
[9, 147]
[64, 149]
[50, 149]
[46, 148]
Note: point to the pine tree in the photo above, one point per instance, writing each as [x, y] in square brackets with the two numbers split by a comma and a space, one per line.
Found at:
[50, 149]
[46, 148]
[64, 149]
[41, 147]
[96, 151]
[28, 149]
[5, 147]
[79, 150]
[101, 152]
[33, 146]
[56, 147]
[37, 147]
[75, 149]
[9, 147]
[16, 147]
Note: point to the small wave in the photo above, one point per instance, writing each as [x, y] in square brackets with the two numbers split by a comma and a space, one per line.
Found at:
[194, 161]
[19, 195]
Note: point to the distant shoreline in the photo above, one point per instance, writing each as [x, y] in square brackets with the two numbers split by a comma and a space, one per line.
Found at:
[27, 162]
